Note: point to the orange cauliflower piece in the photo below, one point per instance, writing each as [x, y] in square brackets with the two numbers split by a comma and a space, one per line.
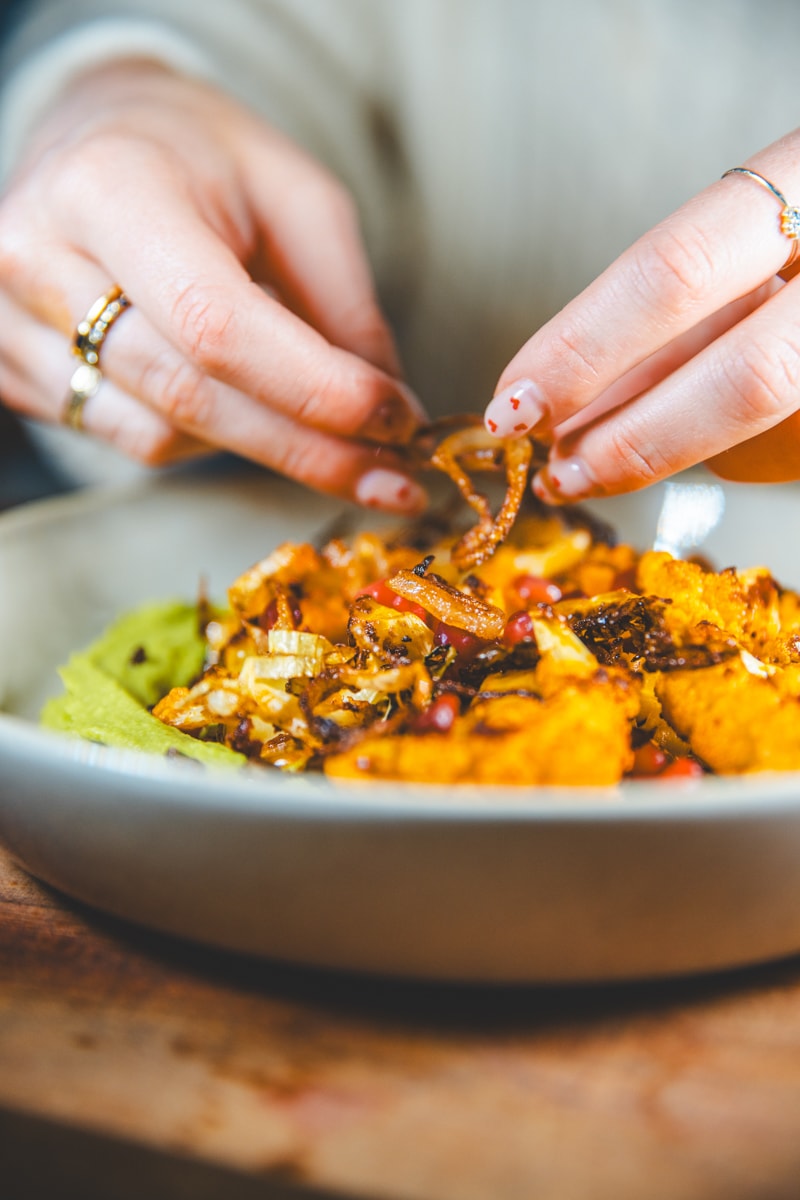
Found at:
[737, 717]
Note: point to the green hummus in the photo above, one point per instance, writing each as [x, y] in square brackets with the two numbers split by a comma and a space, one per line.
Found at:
[111, 685]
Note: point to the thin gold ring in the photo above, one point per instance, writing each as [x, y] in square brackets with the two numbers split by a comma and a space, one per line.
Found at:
[789, 217]
[85, 381]
[91, 332]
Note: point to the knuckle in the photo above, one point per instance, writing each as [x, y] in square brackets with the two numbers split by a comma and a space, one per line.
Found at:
[765, 379]
[340, 399]
[573, 359]
[182, 393]
[204, 321]
[638, 457]
[675, 266]
[81, 170]
[71, 176]
[319, 400]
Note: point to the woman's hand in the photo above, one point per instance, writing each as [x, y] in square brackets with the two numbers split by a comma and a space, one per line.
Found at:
[254, 324]
[686, 349]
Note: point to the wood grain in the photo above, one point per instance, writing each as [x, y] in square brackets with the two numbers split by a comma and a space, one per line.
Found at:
[240, 1073]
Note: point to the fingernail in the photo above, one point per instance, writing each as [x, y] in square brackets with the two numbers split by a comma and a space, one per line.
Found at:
[395, 418]
[515, 410]
[563, 481]
[390, 490]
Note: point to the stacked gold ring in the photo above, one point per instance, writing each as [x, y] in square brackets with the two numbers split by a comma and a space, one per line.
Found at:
[86, 345]
[91, 332]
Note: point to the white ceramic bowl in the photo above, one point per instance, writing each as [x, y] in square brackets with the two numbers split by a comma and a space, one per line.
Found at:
[471, 884]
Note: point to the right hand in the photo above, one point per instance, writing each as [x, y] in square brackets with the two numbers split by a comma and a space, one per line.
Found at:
[686, 349]
[191, 204]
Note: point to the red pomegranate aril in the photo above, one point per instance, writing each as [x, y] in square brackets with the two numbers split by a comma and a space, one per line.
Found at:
[649, 759]
[531, 589]
[270, 614]
[440, 716]
[519, 628]
[465, 644]
[683, 768]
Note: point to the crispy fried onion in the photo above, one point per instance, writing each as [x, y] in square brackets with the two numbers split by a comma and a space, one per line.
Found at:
[449, 604]
[473, 449]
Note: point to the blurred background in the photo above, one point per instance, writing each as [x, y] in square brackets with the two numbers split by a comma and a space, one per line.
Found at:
[24, 473]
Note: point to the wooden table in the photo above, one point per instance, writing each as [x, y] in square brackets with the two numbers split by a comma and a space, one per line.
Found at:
[134, 1066]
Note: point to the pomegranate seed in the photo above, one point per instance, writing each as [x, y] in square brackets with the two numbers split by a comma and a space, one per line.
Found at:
[519, 628]
[683, 768]
[531, 589]
[648, 759]
[466, 645]
[440, 716]
[270, 614]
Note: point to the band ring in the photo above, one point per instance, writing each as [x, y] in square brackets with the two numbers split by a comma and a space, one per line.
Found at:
[86, 344]
[789, 216]
[85, 381]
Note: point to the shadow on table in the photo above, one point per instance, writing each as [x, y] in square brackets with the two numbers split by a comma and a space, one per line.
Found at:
[430, 1007]
[47, 1160]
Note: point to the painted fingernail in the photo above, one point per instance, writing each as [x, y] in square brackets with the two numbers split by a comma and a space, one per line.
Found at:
[563, 481]
[395, 418]
[390, 490]
[515, 410]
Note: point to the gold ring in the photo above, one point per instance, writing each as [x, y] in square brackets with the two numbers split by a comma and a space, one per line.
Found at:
[92, 330]
[789, 217]
[85, 381]
[86, 343]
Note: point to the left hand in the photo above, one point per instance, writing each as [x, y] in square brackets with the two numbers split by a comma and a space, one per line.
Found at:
[254, 325]
[686, 349]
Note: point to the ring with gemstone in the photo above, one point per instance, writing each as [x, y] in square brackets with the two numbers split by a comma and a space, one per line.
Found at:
[85, 381]
[789, 217]
[91, 332]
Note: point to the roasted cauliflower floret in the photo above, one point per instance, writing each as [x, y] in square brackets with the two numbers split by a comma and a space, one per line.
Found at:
[742, 604]
[579, 736]
[737, 716]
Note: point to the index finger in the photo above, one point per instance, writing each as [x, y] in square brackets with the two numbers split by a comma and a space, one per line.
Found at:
[719, 246]
[190, 284]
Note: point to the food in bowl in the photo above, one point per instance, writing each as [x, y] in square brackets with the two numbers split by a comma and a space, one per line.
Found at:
[529, 650]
